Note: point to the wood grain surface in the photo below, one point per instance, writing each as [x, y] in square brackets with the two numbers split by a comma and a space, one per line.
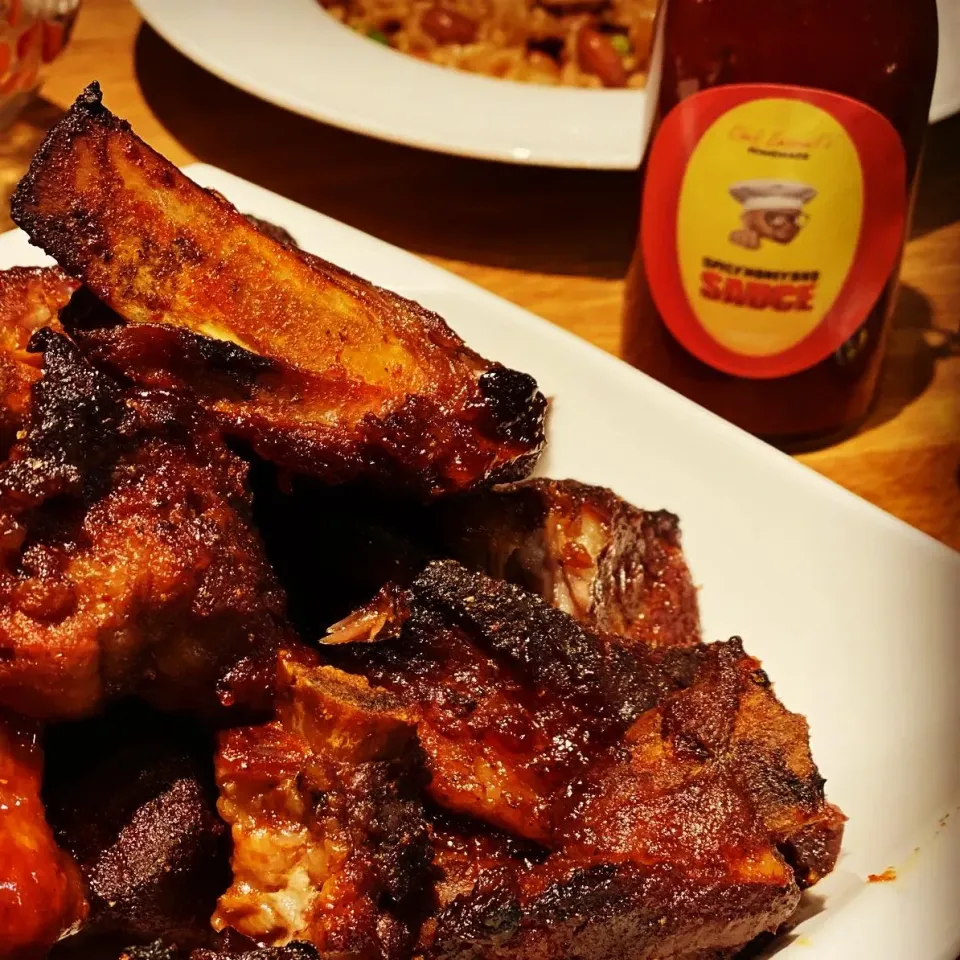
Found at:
[554, 241]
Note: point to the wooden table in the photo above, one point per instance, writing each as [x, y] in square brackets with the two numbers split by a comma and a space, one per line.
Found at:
[554, 241]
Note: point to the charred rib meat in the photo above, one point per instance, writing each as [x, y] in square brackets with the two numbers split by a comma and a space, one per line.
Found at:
[613, 566]
[685, 843]
[723, 744]
[333, 376]
[671, 785]
[564, 909]
[30, 298]
[329, 840]
[129, 563]
[159, 950]
[513, 697]
[131, 795]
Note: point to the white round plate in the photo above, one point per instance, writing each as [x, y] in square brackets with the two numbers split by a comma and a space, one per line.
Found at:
[291, 53]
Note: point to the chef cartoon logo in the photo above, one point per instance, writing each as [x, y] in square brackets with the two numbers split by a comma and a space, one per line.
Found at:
[771, 210]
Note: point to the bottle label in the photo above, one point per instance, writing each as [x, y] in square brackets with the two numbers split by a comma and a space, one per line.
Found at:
[773, 217]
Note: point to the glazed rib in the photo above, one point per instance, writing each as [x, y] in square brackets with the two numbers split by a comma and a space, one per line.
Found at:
[727, 740]
[318, 369]
[613, 566]
[129, 563]
[329, 841]
[30, 298]
[672, 796]
[41, 893]
[684, 845]
[513, 697]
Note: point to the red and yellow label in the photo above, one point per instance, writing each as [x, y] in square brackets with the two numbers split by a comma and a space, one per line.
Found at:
[772, 219]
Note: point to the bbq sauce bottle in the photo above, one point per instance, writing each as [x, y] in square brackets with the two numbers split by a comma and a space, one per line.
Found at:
[785, 143]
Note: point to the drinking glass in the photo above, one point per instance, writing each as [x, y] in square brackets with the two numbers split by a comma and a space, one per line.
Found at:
[32, 34]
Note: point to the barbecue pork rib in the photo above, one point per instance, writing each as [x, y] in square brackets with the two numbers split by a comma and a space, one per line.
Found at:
[329, 840]
[131, 795]
[672, 800]
[697, 839]
[613, 566]
[514, 698]
[128, 562]
[613, 910]
[319, 370]
[30, 298]
[724, 747]
[41, 892]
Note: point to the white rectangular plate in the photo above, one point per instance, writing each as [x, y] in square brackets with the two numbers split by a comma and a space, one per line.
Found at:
[855, 615]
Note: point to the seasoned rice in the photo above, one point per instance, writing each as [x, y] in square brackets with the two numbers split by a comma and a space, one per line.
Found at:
[579, 43]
